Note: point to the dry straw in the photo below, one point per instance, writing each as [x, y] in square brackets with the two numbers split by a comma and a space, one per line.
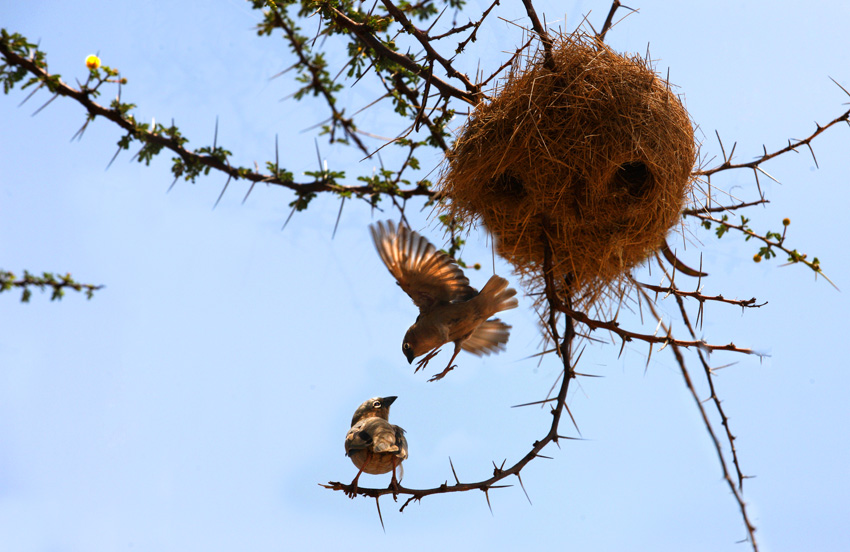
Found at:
[597, 153]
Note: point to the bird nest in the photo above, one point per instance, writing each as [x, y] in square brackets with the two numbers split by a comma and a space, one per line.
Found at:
[589, 157]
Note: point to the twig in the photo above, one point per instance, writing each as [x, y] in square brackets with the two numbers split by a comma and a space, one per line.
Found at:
[754, 164]
[324, 184]
[58, 285]
[316, 82]
[677, 353]
[793, 255]
[723, 208]
[432, 54]
[548, 60]
[673, 290]
[709, 376]
[364, 33]
[473, 35]
[608, 21]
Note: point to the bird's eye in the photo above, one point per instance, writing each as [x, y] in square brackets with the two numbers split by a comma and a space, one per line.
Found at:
[376, 404]
[405, 347]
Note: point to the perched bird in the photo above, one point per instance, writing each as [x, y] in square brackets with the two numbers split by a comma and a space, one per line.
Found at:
[374, 445]
[450, 310]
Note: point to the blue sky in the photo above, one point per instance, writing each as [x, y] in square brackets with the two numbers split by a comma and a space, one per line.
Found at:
[197, 401]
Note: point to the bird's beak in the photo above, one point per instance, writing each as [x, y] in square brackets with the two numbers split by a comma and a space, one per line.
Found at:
[409, 355]
[387, 401]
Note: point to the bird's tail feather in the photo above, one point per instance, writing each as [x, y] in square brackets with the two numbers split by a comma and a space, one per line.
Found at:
[497, 292]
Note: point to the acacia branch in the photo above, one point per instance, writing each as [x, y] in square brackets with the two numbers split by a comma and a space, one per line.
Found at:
[431, 53]
[709, 377]
[677, 353]
[723, 208]
[510, 61]
[673, 290]
[473, 36]
[128, 123]
[793, 255]
[609, 21]
[456, 30]
[499, 472]
[792, 146]
[751, 529]
[57, 285]
[364, 33]
[316, 82]
[548, 60]
[413, 98]
[613, 326]
[627, 335]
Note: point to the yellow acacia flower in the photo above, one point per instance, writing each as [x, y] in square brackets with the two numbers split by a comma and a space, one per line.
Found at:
[93, 62]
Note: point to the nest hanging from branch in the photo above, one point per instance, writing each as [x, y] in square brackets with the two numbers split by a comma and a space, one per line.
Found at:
[597, 153]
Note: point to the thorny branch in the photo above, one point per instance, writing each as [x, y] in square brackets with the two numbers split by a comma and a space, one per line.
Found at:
[57, 285]
[545, 39]
[673, 290]
[499, 472]
[770, 239]
[792, 146]
[163, 140]
[509, 62]
[723, 208]
[431, 53]
[316, 82]
[680, 359]
[414, 99]
[613, 326]
[365, 34]
[609, 21]
[724, 420]
[680, 302]
[473, 36]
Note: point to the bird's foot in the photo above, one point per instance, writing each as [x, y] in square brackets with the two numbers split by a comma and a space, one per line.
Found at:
[442, 374]
[394, 488]
[352, 492]
[424, 361]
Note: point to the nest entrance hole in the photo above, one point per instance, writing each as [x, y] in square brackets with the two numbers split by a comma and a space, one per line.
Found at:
[633, 178]
[508, 186]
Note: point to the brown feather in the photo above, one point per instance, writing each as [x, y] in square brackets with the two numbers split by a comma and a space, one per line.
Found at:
[428, 276]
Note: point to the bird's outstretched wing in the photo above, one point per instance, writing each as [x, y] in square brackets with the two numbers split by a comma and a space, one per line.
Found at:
[489, 337]
[428, 276]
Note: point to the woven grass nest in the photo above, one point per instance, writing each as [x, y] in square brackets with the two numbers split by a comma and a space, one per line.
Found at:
[598, 152]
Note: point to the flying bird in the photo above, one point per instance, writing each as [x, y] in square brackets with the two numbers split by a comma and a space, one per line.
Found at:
[375, 445]
[450, 310]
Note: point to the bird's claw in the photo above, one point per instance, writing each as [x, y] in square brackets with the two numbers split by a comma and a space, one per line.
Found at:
[442, 374]
[352, 492]
[424, 361]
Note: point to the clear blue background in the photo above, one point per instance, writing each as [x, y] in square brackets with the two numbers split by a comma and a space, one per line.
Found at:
[197, 401]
